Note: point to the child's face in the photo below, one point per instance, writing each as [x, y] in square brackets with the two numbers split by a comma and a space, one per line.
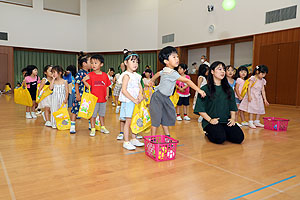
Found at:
[35, 72]
[173, 60]
[111, 73]
[261, 75]
[218, 72]
[243, 74]
[147, 74]
[96, 64]
[132, 64]
[181, 70]
[48, 73]
[229, 72]
[56, 74]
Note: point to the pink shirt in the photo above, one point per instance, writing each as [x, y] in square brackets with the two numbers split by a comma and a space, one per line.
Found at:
[29, 79]
[241, 83]
[186, 92]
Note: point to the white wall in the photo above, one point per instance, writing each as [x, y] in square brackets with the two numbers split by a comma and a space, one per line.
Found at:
[114, 25]
[220, 53]
[243, 53]
[189, 19]
[37, 28]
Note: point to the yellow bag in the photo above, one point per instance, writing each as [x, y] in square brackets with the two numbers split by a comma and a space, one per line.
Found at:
[174, 98]
[148, 94]
[87, 104]
[245, 87]
[22, 96]
[141, 119]
[43, 94]
[62, 118]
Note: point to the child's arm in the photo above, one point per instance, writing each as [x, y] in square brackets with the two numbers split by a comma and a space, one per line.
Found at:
[52, 83]
[151, 82]
[124, 89]
[67, 91]
[200, 79]
[264, 96]
[41, 86]
[107, 93]
[141, 94]
[249, 90]
[24, 83]
[236, 89]
[78, 98]
[87, 77]
[192, 85]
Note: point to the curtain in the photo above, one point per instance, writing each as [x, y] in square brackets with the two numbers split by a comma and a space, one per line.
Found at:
[40, 59]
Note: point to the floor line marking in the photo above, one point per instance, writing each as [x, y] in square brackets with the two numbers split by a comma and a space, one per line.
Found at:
[11, 191]
[276, 193]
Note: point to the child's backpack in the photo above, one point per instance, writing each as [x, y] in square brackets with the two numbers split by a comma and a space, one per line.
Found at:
[246, 85]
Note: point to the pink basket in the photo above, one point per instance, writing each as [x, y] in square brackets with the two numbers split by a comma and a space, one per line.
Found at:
[160, 147]
[276, 124]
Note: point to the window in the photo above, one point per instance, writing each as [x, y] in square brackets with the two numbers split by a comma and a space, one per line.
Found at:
[19, 2]
[64, 6]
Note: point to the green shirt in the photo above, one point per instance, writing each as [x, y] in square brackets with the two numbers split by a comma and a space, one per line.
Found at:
[218, 107]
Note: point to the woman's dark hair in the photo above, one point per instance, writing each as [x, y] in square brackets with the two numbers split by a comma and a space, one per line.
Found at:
[72, 69]
[149, 71]
[242, 68]
[184, 67]
[211, 84]
[46, 68]
[82, 58]
[29, 69]
[127, 56]
[58, 69]
[260, 69]
[165, 53]
[203, 68]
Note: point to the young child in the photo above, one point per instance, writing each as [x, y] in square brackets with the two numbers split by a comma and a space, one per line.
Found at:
[111, 75]
[230, 71]
[184, 92]
[130, 95]
[69, 76]
[255, 97]
[99, 83]
[202, 76]
[118, 87]
[162, 110]
[60, 91]
[84, 63]
[146, 80]
[31, 80]
[46, 103]
[242, 74]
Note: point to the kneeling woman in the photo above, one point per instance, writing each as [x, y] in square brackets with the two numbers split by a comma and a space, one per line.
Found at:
[218, 108]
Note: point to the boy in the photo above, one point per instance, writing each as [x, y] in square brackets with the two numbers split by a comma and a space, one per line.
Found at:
[83, 62]
[162, 110]
[99, 83]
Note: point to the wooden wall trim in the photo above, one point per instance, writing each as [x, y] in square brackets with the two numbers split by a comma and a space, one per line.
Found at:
[18, 4]
[59, 11]
[232, 49]
[45, 50]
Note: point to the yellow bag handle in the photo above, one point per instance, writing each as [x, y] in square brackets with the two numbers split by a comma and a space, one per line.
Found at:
[89, 89]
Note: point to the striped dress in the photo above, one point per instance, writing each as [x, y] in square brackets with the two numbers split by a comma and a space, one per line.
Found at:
[58, 96]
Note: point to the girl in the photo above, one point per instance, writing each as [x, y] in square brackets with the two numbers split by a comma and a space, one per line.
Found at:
[218, 108]
[46, 103]
[130, 95]
[60, 91]
[202, 75]
[118, 88]
[184, 92]
[146, 80]
[31, 80]
[111, 76]
[255, 97]
[242, 74]
[230, 71]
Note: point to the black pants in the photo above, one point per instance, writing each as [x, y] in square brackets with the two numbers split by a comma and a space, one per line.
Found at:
[219, 133]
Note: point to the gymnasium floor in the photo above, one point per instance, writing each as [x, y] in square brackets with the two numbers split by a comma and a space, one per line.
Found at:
[41, 163]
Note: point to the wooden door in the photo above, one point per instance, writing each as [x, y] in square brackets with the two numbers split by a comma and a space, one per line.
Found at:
[287, 73]
[4, 70]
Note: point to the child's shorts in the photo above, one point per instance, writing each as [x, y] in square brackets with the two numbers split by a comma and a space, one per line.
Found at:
[237, 101]
[183, 101]
[100, 109]
[117, 89]
[126, 110]
[162, 110]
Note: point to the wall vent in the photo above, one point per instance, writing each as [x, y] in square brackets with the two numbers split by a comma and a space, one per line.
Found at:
[168, 38]
[3, 36]
[281, 14]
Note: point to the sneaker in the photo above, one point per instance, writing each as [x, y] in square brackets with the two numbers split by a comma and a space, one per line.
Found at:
[258, 124]
[239, 124]
[200, 119]
[118, 109]
[128, 146]
[28, 115]
[33, 115]
[244, 123]
[72, 129]
[251, 125]
[104, 130]
[53, 126]
[43, 114]
[138, 136]
[186, 118]
[113, 104]
[136, 143]
[39, 111]
[178, 118]
[92, 133]
[48, 124]
[120, 136]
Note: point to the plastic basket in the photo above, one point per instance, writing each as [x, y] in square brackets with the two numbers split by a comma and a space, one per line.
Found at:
[160, 147]
[276, 124]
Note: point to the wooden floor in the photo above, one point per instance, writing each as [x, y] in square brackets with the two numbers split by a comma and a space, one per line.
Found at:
[41, 163]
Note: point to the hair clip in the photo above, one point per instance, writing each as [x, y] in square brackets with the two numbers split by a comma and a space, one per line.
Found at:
[257, 67]
[125, 51]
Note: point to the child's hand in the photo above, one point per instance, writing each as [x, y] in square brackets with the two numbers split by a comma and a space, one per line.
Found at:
[240, 98]
[106, 98]
[78, 98]
[140, 98]
[231, 122]
[87, 77]
[136, 101]
[249, 98]
[202, 93]
[65, 101]
[214, 121]
[151, 83]
[266, 102]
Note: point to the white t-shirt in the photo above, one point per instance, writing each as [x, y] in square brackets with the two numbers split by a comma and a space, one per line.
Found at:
[133, 86]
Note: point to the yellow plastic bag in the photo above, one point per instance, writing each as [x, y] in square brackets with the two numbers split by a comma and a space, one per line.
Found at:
[245, 87]
[141, 119]
[87, 104]
[174, 98]
[62, 118]
[22, 96]
[43, 94]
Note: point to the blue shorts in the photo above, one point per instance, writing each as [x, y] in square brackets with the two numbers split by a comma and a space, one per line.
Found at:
[237, 101]
[126, 110]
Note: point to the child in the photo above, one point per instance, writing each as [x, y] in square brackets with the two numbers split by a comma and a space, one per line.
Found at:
[162, 110]
[111, 75]
[184, 92]
[31, 80]
[230, 71]
[130, 95]
[255, 97]
[46, 103]
[99, 83]
[242, 74]
[69, 76]
[84, 63]
[146, 80]
[60, 91]
[118, 87]
[202, 76]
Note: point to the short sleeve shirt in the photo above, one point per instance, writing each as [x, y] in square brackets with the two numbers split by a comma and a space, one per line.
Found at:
[168, 78]
[29, 79]
[78, 79]
[180, 84]
[99, 84]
